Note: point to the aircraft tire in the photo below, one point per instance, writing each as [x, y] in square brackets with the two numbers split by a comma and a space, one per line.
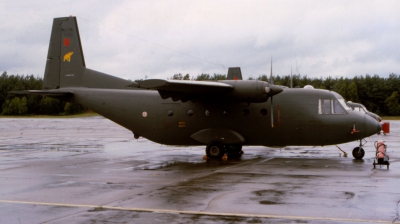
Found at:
[215, 150]
[358, 153]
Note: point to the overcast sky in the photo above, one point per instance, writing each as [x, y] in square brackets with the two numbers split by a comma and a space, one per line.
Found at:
[133, 39]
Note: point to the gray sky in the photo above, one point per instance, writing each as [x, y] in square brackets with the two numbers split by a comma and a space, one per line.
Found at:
[136, 38]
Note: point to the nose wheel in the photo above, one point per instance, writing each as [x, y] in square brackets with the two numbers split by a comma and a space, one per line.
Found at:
[358, 152]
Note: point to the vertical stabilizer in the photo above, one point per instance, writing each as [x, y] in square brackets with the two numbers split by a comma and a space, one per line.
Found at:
[65, 62]
[234, 73]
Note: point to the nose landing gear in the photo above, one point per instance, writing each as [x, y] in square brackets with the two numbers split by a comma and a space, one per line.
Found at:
[358, 152]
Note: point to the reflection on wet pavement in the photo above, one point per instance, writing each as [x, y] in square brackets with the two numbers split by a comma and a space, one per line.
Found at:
[84, 170]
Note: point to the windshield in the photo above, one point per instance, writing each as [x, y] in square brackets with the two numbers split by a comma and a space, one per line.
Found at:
[330, 106]
[364, 108]
[359, 109]
[344, 104]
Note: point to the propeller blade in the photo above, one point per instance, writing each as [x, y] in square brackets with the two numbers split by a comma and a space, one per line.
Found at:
[272, 87]
[272, 114]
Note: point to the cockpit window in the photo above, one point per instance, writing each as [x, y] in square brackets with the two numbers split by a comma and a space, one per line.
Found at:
[325, 106]
[359, 109]
[336, 106]
[330, 106]
[344, 104]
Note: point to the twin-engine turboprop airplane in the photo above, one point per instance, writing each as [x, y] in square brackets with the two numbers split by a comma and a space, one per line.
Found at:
[223, 115]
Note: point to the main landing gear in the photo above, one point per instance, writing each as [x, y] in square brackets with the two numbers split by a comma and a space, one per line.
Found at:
[217, 150]
[358, 152]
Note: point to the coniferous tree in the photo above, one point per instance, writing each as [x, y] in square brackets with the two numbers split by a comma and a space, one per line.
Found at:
[392, 103]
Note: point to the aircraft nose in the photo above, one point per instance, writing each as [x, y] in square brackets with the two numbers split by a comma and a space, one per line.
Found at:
[372, 126]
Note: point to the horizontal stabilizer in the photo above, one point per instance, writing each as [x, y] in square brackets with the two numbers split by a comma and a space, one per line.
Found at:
[55, 92]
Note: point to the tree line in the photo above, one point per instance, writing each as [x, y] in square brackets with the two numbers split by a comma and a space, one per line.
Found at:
[380, 95]
[12, 104]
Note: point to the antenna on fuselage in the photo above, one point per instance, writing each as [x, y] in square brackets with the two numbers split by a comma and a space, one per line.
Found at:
[297, 68]
[271, 79]
[291, 78]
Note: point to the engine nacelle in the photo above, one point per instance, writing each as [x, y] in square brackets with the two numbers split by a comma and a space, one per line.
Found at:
[252, 91]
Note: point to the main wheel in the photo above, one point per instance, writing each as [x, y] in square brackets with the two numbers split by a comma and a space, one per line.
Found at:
[234, 149]
[358, 153]
[215, 150]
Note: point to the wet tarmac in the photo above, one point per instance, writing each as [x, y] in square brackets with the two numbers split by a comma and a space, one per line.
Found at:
[90, 170]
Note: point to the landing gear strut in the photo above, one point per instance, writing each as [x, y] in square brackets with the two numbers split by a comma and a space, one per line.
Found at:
[358, 152]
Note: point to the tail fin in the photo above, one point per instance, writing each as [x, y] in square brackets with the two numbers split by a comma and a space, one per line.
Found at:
[65, 62]
[234, 73]
[65, 65]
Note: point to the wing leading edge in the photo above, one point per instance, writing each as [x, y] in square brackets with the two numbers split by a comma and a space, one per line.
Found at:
[231, 90]
[185, 90]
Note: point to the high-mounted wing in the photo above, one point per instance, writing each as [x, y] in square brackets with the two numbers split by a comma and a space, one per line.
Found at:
[250, 91]
[185, 90]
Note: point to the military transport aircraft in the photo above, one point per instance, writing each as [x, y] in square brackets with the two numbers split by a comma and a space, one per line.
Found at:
[223, 115]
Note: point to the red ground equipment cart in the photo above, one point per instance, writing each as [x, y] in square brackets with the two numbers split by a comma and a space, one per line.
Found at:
[381, 156]
[386, 128]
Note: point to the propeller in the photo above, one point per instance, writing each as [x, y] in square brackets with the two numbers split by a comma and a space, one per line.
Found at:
[271, 81]
[272, 90]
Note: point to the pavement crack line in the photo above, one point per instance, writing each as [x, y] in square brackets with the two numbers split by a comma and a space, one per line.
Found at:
[397, 212]
[105, 205]
[191, 212]
[185, 180]
[218, 196]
